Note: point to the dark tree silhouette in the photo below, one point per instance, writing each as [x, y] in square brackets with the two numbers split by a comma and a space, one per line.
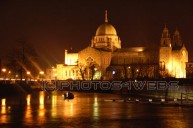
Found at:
[22, 58]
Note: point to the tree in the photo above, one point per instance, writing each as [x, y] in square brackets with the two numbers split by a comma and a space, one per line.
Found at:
[91, 67]
[22, 58]
[82, 69]
[88, 69]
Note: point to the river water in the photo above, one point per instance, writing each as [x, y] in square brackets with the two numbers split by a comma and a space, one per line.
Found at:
[87, 110]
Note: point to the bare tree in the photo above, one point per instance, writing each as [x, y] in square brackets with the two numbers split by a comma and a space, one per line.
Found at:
[21, 59]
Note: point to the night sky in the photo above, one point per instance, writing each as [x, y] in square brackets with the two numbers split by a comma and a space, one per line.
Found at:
[54, 25]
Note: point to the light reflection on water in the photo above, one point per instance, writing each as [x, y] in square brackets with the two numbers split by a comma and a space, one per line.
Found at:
[89, 110]
[54, 108]
[28, 99]
[3, 102]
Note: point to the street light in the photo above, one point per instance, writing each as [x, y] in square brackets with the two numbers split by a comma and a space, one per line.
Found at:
[9, 75]
[41, 74]
[4, 72]
[28, 75]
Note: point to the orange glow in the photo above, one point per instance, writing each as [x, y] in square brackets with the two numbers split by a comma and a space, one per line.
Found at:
[95, 107]
[41, 72]
[41, 100]
[34, 64]
[175, 69]
[41, 105]
[71, 109]
[28, 115]
[54, 99]
[3, 102]
[3, 117]
[41, 110]
[28, 73]
[4, 70]
[54, 102]
[28, 99]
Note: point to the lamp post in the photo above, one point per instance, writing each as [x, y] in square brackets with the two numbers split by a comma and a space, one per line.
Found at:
[16, 76]
[4, 72]
[41, 73]
[28, 75]
[9, 75]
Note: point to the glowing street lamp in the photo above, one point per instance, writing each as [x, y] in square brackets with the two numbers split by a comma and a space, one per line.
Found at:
[9, 75]
[4, 72]
[41, 74]
[16, 76]
[3, 102]
[28, 75]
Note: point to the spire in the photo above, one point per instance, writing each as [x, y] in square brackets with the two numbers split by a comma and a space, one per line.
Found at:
[165, 26]
[176, 32]
[106, 18]
[177, 39]
[165, 33]
[165, 39]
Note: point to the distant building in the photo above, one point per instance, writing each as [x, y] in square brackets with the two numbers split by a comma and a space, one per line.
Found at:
[106, 59]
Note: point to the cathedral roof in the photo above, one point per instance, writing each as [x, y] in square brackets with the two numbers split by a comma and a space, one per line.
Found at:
[106, 28]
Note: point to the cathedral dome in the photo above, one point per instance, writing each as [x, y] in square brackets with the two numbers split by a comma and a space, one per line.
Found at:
[106, 29]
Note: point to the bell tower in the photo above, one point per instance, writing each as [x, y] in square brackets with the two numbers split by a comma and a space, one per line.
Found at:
[165, 52]
[177, 42]
[165, 39]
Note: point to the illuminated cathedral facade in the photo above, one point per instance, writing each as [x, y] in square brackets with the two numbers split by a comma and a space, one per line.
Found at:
[173, 55]
[105, 59]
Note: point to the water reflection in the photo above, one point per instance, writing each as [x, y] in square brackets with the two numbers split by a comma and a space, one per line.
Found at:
[3, 116]
[54, 107]
[3, 102]
[3, 111]
[171, 119]
[28, 99]
[90, 110]
[28, 115]
[68, 108]
[95, 107]
[41, 110]
[41, 99]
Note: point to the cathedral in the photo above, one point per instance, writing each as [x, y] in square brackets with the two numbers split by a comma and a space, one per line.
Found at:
[173, 55]
[105, 59]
